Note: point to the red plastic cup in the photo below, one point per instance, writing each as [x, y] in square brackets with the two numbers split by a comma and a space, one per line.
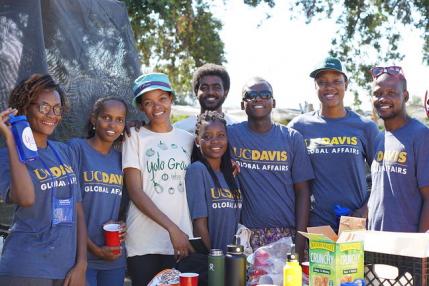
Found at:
[111, 235]
[305, 267]
[188, 279]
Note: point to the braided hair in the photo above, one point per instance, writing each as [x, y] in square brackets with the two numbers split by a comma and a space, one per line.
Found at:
[226, 164]
[27, 91]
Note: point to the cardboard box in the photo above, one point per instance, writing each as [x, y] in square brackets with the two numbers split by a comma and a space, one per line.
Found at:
[335, 259]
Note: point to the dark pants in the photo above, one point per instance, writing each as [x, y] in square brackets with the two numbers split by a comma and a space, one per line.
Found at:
[143, 268]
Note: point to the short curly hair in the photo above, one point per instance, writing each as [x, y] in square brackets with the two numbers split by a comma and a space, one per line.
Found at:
[210, 69]
[27, 90]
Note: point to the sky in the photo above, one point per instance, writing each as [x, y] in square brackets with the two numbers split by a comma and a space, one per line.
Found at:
[285, 51]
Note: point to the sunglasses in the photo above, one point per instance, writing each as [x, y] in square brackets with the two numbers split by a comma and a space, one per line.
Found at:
[392, 70]
[426, 103]
[253, 95]
[45, 108]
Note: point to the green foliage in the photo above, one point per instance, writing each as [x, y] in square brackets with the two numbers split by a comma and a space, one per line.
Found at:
[356, 101]
[175, 118]
[174, 37]
[367, 32]
[255, 3]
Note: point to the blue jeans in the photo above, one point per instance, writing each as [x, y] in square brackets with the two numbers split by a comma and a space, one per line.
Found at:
[113, 277]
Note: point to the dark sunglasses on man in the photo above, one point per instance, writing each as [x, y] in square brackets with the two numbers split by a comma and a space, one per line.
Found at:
[252, 95]
[392, 70]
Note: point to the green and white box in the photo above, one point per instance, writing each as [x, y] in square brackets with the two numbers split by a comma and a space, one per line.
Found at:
[334, 259]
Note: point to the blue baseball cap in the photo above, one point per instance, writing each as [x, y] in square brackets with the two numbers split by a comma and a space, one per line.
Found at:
[148, 82]
[328, 64]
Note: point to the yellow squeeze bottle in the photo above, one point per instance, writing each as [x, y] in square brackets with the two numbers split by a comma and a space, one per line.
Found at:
[292, 272]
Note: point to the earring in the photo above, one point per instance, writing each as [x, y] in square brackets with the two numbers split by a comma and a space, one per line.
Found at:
[122, 134]
[198, 145]
[93, 127]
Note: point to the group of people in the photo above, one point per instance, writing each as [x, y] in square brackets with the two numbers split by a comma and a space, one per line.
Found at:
[202, 176]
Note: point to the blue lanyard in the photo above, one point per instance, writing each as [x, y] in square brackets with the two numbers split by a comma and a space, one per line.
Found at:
[54, 188]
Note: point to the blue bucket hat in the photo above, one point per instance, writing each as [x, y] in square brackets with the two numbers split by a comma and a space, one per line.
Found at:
[148, 82]
[328, 64]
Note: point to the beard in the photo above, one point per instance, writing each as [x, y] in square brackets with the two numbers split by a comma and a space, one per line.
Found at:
[212, 106]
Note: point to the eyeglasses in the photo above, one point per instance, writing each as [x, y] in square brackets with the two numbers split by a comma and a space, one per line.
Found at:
[252, 95]
[45, 108]
[392, 70]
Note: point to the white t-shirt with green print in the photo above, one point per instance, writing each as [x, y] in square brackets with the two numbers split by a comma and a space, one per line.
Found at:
[162, 159]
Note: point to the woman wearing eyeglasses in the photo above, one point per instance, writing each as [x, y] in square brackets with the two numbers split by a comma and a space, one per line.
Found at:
[340, 144]
[47, 242]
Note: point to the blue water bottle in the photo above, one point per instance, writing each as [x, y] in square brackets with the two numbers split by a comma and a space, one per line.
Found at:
[341, 211]
[24, 140]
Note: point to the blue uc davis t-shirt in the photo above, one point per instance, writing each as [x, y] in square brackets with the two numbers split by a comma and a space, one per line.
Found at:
[339, 149]
[36, 248]
[218, 205]
[100, 178]
[270, 163]
[399, 169]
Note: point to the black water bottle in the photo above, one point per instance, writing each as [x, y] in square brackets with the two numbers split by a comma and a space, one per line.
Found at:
[235, 264]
